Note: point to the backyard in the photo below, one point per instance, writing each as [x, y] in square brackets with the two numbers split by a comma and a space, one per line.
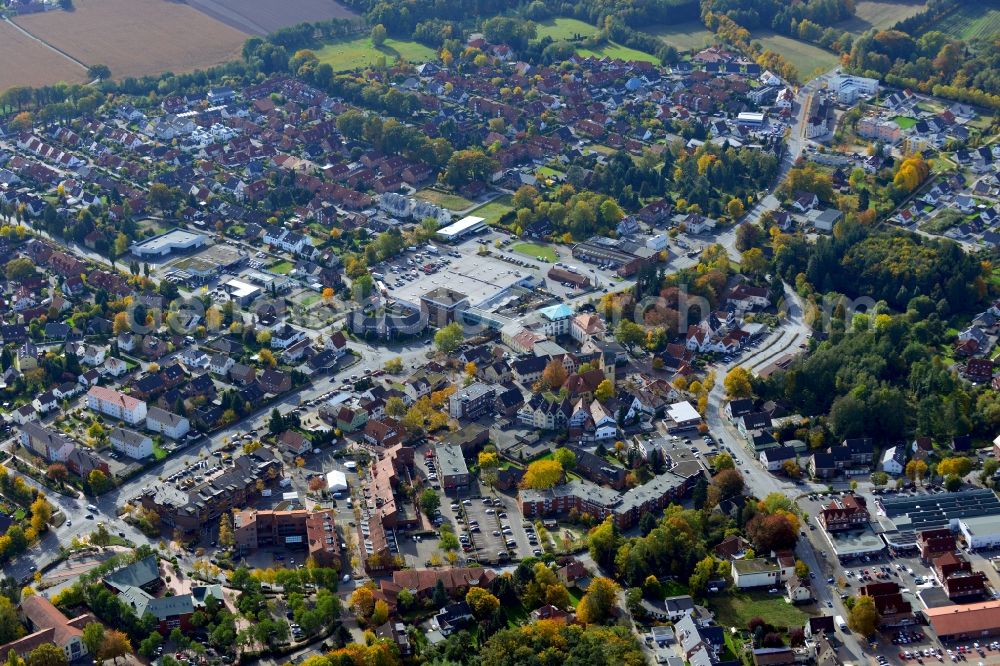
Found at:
[361, 52]
[281, 268]
[444, 199]
[905, 122]
[536, 251]
[738, 608]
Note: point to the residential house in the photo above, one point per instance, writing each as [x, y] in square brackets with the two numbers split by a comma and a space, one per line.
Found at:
[133, 444]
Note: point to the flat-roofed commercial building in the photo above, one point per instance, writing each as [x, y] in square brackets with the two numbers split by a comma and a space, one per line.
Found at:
[456, 230]
[175, 240]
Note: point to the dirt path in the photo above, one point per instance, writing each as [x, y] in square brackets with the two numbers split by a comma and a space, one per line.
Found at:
[46, 44]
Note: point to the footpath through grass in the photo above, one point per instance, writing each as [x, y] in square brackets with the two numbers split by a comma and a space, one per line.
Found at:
[361, 52]
[570, 29]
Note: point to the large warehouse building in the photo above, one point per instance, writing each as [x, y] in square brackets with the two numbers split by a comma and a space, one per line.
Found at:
[175, 240]
[467, 225]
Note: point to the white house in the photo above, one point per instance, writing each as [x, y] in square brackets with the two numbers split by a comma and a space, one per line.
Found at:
[133, 444]
[761, 572]
[167, 423]
[220, 364]
[773, 458]
[283, 336]
[894, 460]
[91, 355]
[586, 326]
[46, 402]
[604, 423]
[192, 357]
[115, 367]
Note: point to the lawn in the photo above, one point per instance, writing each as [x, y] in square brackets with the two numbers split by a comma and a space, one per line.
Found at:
[550, 172]
[444, 199]
[281, 268]
[905, 122]
[808, 59]
[687, 36]
[736, 609]
[494, 210]
[360, 52]
[569, 29]
[972, 20]
[159, 453]
[536, 251]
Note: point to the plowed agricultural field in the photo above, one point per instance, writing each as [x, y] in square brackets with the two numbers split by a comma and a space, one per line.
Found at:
[135, 37]
[260, 17]
[25, 62]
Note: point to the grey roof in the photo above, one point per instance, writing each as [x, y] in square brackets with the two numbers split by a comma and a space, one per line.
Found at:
[127, 436]
[140, 573]
[926, 511]
[451, 461]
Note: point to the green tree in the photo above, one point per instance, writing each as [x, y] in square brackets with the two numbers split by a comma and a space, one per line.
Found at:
[378, 35]
[430, 502]
[864, 618]
[449, 338]
[93, 637]
[565, 457]
[47, 654]
[10, 624]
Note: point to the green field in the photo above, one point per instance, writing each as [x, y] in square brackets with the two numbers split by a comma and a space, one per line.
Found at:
[808, 59]
[360, 52]
[444, 199]
[494, 210]
[687, 36]
[735, 610]
[880, 14]
[905, 122]
[567, 29]
[619, 52]
[535, 251]
[978, 19]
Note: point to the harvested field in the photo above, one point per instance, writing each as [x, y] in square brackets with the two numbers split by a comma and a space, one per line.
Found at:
[137, 37]
[28, 63]
[972, 21]
[260, 17]
[687, 36]
[880, 14]
[807, 58]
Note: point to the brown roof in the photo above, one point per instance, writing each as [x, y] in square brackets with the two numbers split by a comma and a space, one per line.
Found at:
[967, 619]
[43, 615]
